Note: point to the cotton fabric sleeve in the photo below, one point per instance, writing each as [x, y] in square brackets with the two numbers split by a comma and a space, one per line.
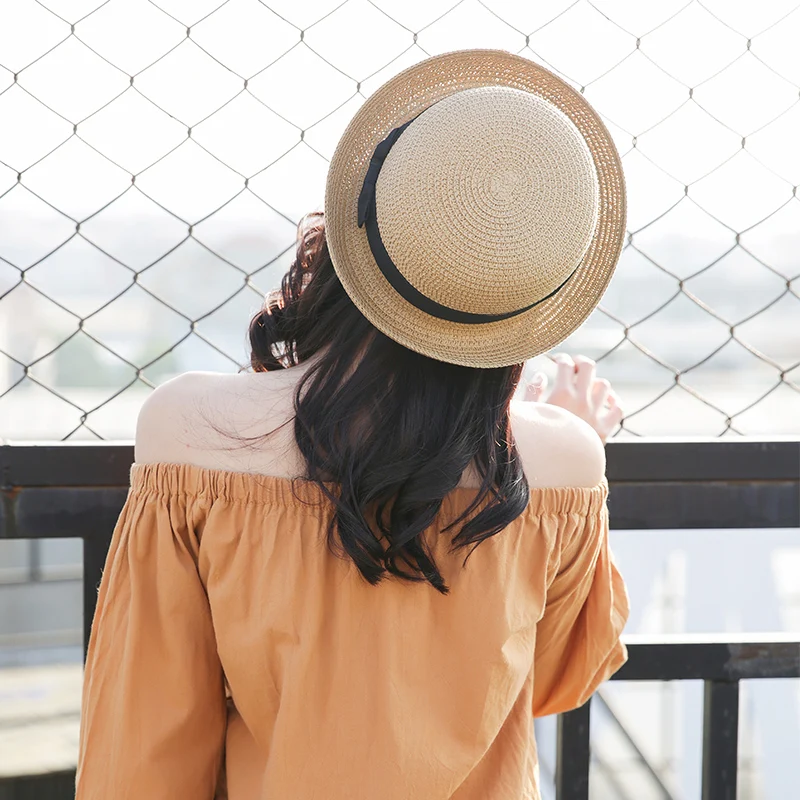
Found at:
[578, 638]
[153, 707]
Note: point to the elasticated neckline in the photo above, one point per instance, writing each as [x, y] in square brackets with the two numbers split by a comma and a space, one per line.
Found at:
[190, 480]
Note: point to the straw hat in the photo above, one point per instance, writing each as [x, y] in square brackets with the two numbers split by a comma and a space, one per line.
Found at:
[475, 208]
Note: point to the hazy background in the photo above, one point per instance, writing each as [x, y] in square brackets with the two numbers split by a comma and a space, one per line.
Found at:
[155, 159]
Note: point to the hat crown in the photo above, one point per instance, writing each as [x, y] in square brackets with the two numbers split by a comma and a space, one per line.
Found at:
[436, 243]
[488, 201]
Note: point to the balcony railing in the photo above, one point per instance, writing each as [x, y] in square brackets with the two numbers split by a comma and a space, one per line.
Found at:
[78, 490]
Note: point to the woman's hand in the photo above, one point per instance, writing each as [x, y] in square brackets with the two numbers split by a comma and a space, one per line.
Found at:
[579, 390]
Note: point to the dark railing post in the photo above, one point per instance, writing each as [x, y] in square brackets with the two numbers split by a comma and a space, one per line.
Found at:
[95, 549]
[572, 755]
[720, 739]
[53, 786]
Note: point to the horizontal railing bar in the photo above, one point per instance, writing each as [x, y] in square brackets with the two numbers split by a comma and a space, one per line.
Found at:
[727, 657]
[704, 460]
[65, 464]
[69, 511]
[59, 512]
[710, 506]
[641, 461]
[765, 637]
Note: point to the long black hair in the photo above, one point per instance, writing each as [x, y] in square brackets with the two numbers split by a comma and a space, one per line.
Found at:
[393, 429]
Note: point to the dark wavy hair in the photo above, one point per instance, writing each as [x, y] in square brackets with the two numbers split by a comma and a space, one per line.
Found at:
[393, 429]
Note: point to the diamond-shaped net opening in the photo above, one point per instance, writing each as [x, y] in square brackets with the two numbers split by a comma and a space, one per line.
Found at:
[157, 157]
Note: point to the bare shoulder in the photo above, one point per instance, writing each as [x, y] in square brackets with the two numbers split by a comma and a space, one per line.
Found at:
[199, 417]
[171, 413]
[557, 448]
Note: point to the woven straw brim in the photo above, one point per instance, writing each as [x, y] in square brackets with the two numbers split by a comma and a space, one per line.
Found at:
[493, 344]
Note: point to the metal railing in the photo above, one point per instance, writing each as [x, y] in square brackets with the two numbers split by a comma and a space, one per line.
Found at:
[721, 662]
[78, 491]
